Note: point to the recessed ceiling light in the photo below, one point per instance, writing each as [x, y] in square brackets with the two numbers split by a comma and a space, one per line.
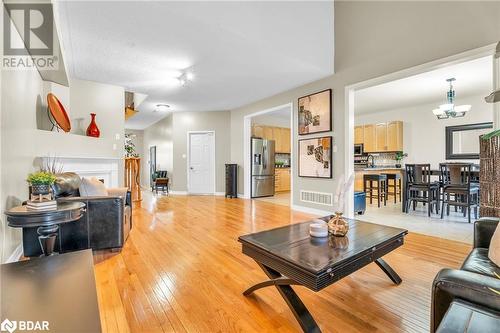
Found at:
[161, 107]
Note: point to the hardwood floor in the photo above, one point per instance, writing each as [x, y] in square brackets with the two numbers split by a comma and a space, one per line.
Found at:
[182, 270]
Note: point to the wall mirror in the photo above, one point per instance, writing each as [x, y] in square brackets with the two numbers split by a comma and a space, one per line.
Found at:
[462, 141]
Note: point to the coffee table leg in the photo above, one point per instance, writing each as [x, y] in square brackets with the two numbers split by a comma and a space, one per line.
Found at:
[47, 238]
[293, 301]
[388, 270]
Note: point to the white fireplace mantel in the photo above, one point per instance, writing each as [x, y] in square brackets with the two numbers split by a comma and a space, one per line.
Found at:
[104, 168]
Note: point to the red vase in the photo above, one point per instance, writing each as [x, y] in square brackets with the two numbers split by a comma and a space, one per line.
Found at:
[93, 130]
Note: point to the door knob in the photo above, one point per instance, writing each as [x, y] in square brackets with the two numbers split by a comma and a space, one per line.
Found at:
[191, 168]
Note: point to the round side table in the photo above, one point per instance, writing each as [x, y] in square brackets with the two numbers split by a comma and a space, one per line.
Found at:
[46, 221]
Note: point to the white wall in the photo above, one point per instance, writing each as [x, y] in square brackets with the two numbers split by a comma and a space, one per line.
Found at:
[375, 38]
[423, 133]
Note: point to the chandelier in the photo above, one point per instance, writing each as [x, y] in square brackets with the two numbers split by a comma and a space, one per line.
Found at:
[445, 111]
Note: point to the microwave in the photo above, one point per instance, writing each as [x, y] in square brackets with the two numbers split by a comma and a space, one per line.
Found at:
[358, 150]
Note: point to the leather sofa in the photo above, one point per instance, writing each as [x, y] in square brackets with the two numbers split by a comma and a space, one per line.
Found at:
[105, 224]
[474, 283]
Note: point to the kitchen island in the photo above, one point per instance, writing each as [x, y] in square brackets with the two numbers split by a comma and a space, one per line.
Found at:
[360, 172]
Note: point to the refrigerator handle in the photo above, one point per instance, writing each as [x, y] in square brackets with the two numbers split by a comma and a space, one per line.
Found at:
[264, 163]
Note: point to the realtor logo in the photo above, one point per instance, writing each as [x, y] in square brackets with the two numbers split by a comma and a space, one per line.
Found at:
[34, 23]
[23, 325]
[8, 326]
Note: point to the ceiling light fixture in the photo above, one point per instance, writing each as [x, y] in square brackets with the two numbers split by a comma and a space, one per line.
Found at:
[161, 107]
[447, 110]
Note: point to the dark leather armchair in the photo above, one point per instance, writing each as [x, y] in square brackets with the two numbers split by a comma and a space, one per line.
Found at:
[474, 283]
[105, 224]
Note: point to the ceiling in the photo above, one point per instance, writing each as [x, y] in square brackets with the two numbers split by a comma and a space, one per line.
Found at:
[279, 118]
[239, 52]
[473, 78]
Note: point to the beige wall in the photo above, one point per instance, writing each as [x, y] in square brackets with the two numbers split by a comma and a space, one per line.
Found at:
[373, 39]
[169, 135]
[183, 122]
[23, 96]
[159, 135]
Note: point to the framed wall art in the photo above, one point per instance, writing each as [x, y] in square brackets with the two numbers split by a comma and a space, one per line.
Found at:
[315, 157]
[315, 112]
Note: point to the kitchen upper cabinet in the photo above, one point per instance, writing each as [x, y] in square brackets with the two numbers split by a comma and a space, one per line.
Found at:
[280, 135]
[369, 138]
[268, 133]
[285, 140]
[257, 131]
[358, 135]
[395, 136]
[381, 137]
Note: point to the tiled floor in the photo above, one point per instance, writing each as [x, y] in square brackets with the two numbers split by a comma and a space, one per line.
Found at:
[453, 227]
[280, 198]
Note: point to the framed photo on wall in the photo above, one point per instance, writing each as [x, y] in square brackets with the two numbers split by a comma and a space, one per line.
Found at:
[315, 112]
[315, 157]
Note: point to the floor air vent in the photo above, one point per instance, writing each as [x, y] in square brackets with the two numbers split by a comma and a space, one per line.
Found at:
[316, 197]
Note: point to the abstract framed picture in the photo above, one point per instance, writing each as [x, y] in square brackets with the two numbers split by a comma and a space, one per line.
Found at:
[315, 157]
[315, 112]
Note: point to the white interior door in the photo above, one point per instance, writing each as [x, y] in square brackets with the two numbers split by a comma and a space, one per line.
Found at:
[201, 163]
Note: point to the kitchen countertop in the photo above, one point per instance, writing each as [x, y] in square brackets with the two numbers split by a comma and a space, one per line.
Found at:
[378, 169]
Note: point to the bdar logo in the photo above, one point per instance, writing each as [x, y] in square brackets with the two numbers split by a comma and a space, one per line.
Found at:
[8, 325]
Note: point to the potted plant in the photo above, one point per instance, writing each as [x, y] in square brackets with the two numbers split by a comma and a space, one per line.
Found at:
[399, 157]
[41, 182]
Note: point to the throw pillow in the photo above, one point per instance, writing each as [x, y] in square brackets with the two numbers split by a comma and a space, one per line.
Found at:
[118, 192]
[92, 187]
[494, 251]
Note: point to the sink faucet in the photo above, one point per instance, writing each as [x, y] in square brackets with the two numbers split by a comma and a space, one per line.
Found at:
[372, 164]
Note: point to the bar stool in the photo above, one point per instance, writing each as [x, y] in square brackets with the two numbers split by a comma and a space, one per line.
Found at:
[381, 181]
[396, 184]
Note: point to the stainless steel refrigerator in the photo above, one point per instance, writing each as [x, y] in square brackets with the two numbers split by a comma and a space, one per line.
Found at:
[262, 168]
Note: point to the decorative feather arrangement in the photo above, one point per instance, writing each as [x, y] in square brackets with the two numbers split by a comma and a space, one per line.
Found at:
[339, 196]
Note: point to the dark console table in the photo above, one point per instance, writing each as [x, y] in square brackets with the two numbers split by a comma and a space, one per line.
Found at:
[289, 256]
[46, 221]
[59, 290]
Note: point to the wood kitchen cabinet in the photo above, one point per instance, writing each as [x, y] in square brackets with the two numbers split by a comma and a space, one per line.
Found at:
[382, 137]
[369, 138]
[358, 135]
[280, 135]
[285, 140]
[282, 179]
[258, 131]
[395, 136]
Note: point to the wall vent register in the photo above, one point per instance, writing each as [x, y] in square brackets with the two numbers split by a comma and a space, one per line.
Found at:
[320, 198]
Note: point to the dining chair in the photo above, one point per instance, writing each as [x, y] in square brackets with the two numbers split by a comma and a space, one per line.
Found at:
[459, 188]
[420, 188]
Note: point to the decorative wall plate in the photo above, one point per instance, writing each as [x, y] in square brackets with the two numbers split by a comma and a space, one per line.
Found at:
[58, 113]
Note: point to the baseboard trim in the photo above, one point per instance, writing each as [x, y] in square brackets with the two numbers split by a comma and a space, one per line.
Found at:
[309, 210]
[178, 192]
[220, 193]
[16, 254]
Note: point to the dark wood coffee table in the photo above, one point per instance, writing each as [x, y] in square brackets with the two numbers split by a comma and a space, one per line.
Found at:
[289, 256]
